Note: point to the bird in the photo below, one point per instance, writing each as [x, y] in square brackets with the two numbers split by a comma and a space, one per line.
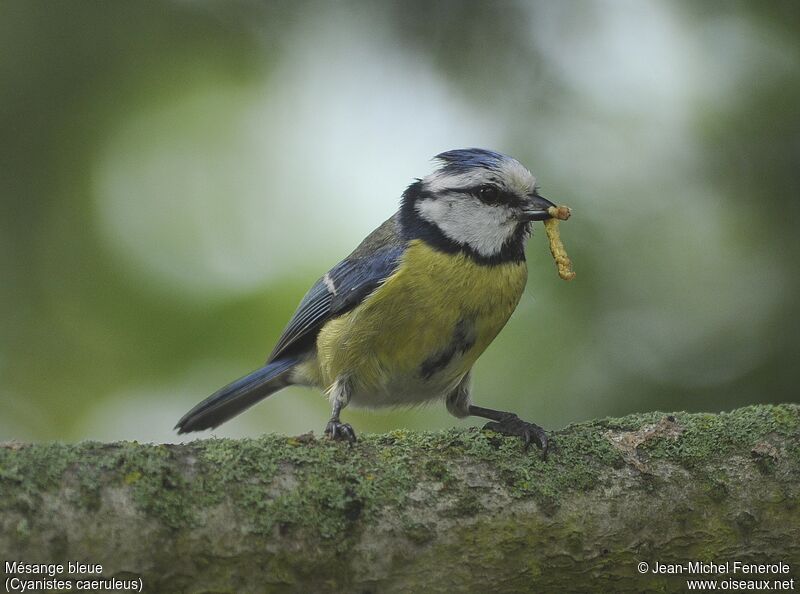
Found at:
[403, 318]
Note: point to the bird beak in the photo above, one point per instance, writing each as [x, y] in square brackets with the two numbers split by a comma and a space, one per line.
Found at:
[535, 209]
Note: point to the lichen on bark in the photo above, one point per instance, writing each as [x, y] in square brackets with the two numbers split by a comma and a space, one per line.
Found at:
[415, 511]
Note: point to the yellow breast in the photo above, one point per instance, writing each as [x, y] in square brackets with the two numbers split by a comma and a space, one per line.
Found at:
[422, 329]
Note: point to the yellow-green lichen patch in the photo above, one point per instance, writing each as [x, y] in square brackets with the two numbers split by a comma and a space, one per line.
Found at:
[714, 436]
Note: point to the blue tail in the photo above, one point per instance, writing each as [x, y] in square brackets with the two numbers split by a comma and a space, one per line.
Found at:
[237, 396]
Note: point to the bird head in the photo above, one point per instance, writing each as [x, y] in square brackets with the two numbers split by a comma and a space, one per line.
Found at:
[478, 199]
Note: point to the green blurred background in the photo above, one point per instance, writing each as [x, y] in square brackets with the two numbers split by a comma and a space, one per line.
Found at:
[174, 175]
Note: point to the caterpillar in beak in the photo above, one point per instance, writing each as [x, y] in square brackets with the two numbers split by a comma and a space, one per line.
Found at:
[564, 264]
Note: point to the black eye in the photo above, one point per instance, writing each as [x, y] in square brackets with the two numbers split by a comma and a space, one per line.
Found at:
[489, 194]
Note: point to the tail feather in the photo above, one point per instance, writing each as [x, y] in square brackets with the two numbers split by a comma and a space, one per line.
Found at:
[237, 396]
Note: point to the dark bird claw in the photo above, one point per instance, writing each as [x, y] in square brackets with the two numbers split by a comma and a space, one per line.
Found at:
[529, 432]
[340, 432]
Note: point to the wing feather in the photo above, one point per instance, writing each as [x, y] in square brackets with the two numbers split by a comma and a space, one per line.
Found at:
[345, 286]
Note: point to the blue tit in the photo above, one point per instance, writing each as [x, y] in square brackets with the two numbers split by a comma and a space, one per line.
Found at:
[403, 319]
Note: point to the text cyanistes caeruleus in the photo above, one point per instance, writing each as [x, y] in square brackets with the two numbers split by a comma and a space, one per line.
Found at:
[403, 318]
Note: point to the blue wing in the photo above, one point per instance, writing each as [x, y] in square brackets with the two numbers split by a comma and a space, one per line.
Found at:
[346, 285]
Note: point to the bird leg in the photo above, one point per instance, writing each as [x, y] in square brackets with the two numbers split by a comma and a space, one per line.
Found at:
[335, 429]
[510, 424]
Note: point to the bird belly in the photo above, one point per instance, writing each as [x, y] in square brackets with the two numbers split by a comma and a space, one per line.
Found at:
[416, 336]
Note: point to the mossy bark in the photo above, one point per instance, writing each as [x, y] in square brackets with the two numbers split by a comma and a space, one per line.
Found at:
[458, 510]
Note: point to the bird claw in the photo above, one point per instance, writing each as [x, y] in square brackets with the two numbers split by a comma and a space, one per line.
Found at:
[337, 431]
[529, 432]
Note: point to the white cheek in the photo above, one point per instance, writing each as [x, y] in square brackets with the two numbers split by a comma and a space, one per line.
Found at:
[482, 227]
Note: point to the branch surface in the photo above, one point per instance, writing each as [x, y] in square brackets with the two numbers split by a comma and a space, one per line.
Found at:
[415, 512]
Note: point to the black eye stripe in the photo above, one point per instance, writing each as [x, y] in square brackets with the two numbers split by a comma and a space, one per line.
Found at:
[488, 193]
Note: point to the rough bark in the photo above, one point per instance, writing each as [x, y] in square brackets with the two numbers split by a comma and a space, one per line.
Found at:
[458, 510]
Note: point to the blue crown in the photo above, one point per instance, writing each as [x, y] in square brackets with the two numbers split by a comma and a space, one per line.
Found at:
[460, 160]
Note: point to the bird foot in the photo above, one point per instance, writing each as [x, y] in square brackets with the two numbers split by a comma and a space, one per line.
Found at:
[529, 432]
[340, 431]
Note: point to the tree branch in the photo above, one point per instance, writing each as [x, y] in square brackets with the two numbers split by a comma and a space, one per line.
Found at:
[413, 512]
